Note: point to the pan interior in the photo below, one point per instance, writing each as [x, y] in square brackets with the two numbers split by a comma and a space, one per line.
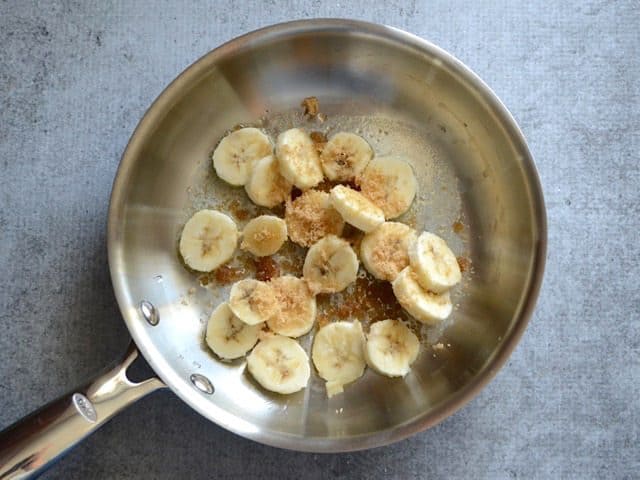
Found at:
[405, 97]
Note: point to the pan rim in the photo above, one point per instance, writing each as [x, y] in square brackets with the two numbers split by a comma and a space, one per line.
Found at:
[464, 395]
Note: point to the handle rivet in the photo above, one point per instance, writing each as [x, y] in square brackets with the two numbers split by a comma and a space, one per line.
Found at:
[202, 383]
[149, 312]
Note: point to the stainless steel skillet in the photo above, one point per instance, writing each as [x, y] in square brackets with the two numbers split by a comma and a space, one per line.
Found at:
[406, 96]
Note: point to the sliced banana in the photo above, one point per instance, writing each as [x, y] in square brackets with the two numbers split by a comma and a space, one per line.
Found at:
[389, 183]
[264, 235]
[279, 364]
[384, 251]
[425, 306]
[228, 336]
[253, 301]
[330, 265]
[345, 156]
[434, 264]
[297, 306]
[266, 186]
[338, 354]
[355, 208]
[208, 240]
[235, 155]
[311, 217]
[298, 158]
[391, 348]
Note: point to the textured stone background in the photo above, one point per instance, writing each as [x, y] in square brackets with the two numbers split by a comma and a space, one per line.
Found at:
[75, 78]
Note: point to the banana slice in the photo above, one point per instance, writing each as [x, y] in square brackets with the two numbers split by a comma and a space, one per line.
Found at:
[253, 301]
[434, 263]
[384, 251]
[338, 354]
[298, 158]
[390, 184]
[330, 265]
[391, 348]
[208, 240]
[279, 364]
[425, 306]
[266, 186]
[228, 336]
[345, 156]
[235, 155]
[355, 208]
[264, 235]
[297, 307]
[311, 217]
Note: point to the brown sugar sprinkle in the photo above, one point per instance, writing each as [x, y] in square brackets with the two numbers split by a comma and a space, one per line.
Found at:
[238, 211]
[352, 235]
[266, 268]
[263, 300]
[319, 140]
[374, 185]
[311, 106]
[226, 274]
[295, 193]
[457, 226]
[464, 263]
[310, 217]
[367, 300]
[292, 295]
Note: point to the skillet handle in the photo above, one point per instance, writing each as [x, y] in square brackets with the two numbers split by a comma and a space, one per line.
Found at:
[32, 444]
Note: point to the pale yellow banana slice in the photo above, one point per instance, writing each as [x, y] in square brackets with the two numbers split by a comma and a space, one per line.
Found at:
[425, 306]
[311, 217]
[266, 186]
[228, 336]
[253, 301]
[434, 264]
[355, 208]
[345, 156]
[279, 364]
[330, 266]
[297, 306]
[298, 158]
[208, 240]
[384, 251]
[235, 155]
[264, 235]
[338, 354]
[390, 183]
[391, 348]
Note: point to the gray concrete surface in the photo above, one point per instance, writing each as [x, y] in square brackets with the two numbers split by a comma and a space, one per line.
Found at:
[75, 77]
